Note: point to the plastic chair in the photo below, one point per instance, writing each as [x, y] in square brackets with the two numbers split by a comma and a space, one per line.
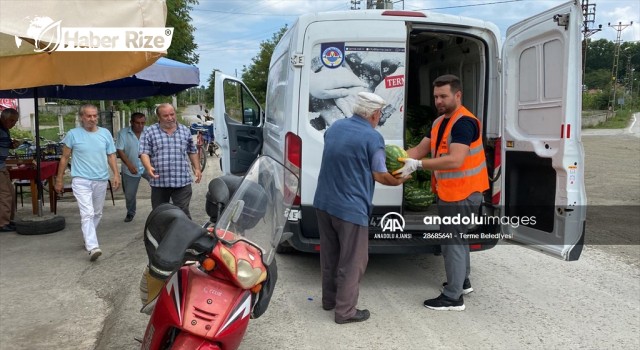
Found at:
[19, 185]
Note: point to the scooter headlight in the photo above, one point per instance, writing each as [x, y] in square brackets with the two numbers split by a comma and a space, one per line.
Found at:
[249, 276]
[246, 275]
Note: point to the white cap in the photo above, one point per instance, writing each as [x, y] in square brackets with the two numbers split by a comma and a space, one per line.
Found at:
[370, 100]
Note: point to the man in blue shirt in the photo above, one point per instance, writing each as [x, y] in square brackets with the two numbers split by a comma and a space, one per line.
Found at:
[93, 154]
[128, 146]
[352, 161]
[165, 151]
[8, 119]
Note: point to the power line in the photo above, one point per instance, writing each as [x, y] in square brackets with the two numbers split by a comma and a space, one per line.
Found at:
[472, 5]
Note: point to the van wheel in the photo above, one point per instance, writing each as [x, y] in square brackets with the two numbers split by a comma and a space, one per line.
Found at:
[40, 225]
[285, 248]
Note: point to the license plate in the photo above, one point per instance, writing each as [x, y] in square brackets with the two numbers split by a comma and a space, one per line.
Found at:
[374, 221]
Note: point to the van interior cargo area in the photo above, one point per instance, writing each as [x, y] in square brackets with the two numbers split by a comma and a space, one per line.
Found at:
[432, 54]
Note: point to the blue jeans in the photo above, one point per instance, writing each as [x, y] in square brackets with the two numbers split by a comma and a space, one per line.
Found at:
[130, 188]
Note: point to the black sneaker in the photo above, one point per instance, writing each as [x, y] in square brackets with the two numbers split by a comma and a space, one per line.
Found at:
[128, 218]
[443, 302]
[466, 287]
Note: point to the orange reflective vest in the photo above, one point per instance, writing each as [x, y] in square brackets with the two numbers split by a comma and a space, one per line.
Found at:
[457, 184]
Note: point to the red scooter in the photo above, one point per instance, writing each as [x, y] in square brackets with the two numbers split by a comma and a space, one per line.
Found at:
[204, 283]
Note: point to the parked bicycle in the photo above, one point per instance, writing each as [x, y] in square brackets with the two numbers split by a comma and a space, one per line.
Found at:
[205, 137]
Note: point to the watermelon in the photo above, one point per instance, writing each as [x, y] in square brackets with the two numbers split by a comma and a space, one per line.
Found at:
[417, 197]
[394, 152]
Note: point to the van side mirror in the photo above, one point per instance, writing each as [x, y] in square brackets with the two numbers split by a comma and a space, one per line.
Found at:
[249, 117]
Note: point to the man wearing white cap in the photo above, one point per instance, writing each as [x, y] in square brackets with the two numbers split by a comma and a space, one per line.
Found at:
[352, 160]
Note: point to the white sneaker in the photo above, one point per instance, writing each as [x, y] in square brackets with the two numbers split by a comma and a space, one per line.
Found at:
[94, 254]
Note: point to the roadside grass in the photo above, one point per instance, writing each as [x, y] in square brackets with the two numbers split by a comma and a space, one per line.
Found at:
[619, 121]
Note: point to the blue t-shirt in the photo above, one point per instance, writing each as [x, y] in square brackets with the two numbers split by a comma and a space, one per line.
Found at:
[130, 144]
[345, 183]
[464, 131]
[89, 152]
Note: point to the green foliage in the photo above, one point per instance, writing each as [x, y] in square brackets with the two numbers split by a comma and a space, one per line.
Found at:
[599, 63]
[20, 134]
[598, 79]
[619, 121]
[595, 101]
[256, 74]
[183, 46]
[209, 93]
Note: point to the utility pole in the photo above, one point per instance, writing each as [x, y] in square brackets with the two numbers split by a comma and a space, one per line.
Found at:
[355, 4]
[614, 70]
[380, 4]
[628, 83]
[589, 14]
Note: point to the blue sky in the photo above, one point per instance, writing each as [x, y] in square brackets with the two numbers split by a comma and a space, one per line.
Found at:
[229, 32]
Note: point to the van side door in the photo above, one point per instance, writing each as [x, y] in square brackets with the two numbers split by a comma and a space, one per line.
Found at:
[543, 159]
[238, 124]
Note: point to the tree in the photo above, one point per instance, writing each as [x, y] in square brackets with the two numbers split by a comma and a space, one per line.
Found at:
[599, 55]
[209, 92]
[256, 74]
[183, 45]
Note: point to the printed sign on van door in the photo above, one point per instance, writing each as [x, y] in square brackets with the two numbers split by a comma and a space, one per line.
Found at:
[332, 54]
[341, 70]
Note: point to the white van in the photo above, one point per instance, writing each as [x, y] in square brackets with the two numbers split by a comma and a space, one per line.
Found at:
[526, 93]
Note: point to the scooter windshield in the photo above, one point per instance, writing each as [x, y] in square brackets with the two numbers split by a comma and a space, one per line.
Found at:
[258, 210]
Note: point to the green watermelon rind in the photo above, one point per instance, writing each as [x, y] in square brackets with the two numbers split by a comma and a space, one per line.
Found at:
[417, 197]
[392, 153]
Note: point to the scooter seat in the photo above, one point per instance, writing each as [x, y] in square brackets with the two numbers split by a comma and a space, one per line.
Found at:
[170, 238]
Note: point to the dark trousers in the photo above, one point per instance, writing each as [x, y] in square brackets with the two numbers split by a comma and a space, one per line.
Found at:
[179, 196]
[455, 251]
[344, 253]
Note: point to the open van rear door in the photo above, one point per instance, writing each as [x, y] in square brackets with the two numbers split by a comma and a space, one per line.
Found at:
[543, 160]
[238, 124]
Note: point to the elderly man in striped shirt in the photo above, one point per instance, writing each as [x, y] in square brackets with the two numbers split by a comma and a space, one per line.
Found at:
[165, 151]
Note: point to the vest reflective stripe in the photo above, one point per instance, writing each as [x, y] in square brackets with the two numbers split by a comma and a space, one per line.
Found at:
[460, 174]
[472, 151]
[457, 184]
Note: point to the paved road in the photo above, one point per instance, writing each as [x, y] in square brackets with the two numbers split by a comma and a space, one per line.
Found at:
[52, 297]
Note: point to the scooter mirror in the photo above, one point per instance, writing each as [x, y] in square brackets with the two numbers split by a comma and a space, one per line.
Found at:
[199, 117]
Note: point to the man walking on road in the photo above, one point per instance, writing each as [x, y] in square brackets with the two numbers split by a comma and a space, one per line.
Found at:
[165, 151]
[458, 178]
[93, 154]
[128, 146]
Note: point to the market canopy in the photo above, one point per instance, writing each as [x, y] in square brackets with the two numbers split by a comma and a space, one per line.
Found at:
[33, 50]
[164, 77]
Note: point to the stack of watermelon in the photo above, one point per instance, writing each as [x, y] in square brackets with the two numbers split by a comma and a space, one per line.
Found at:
[417, 191]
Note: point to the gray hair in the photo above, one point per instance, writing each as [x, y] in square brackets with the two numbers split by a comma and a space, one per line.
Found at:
[367, 104]
[162, 105]
[84, 107]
